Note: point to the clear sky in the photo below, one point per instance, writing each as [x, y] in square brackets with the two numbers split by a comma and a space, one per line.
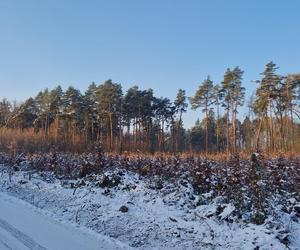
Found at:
[159, 44]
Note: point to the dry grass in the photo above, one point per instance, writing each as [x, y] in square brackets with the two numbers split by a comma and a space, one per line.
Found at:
[28, 141]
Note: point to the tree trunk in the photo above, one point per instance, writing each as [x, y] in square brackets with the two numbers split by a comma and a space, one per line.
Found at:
[227, 131]
[206, 130]
[258, 133]
[234, 131]
[121, 137]
[135, 134]
[111, 131]
[271, 128]
[218, 128]
[293, 130]
[163, 135]
[178, 131]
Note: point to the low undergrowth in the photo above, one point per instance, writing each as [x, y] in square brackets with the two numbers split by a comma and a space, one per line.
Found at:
[254, 190]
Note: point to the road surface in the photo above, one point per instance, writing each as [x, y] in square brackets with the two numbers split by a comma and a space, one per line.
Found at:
[24, 227]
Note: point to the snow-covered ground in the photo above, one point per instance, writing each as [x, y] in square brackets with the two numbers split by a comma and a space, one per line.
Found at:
[22, 226]
[168, 217]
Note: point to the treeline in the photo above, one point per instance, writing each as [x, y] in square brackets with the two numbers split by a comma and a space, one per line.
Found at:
[139, 121]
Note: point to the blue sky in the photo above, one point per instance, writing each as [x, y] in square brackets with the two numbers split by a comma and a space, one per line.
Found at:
[164, 45]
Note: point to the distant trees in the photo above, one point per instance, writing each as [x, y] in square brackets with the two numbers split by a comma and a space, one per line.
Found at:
[138, 120]
[275, 105]
[5, 111]
[139, 112]
[216, 100]
[180, 106]
[247, 134]
[25, 116]
[204, 97]
[90, 116]
[238, 98]
[109, 106]
[266, 94]
[232, 96]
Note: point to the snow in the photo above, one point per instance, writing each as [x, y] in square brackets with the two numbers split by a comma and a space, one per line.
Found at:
[228, 210]
[166, 218]
[23, 226]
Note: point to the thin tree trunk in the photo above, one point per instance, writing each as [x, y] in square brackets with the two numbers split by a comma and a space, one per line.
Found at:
[271, 128]
[293, 130]
[111, 131]
[206, 130]
[163, 135]
[258, 133]
[121, 138]
[218, 148]
[227, 131]
[234, 131]
[135, 134]
[178, 131]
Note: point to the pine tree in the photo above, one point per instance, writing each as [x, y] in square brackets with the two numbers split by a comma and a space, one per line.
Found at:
[197, 136]
[73, 112]
[24, 116]
[180, 108]
[43, 104]
[266, 93]
[247, 134]
[5, 112]
[232, 96]
[56, 96]
[132, 111]
[217, 98]
[90, 118]
[292, 83]
[238, 97]
[204, 98]
[147, 115]
[164, 114]
[109, 101]
[226, 97]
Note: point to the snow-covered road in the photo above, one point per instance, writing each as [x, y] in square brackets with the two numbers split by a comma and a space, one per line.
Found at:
[23, 226]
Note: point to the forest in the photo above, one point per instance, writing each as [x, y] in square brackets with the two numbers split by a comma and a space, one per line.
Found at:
[137, 121]
[124, 165]
[150, 125]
